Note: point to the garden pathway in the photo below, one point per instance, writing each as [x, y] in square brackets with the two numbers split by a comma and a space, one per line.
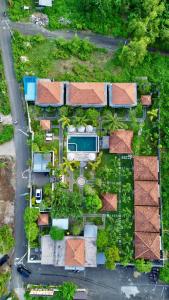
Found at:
[60, 143]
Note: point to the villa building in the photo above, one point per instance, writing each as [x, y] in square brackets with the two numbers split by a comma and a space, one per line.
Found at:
[86, 94]
[123, 95]
[147, 212]
[120, 141]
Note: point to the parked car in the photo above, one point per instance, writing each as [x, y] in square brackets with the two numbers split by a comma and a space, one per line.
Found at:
[4, 259]
[38, 195]
[23, 271]
[154, 275]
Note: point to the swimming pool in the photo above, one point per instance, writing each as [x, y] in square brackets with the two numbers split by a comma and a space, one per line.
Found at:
[83, 143]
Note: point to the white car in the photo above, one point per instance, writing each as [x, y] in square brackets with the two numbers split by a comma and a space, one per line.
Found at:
[38, 195]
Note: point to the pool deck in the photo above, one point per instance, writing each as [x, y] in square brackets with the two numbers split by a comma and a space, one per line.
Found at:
[80, 156]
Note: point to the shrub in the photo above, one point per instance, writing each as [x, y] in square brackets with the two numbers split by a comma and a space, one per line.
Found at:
[112, 256]
[164, 273]
[102, 240]
[4, 278]
[6, 239]
[57, 234]
[143, 266]
[67, 291]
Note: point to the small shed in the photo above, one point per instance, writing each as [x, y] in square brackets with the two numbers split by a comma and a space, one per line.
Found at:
[45, 124]
[146, 100]
[61, 223]
[47, 3]
[43, 219]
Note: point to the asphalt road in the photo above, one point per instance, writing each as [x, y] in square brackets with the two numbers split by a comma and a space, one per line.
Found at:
[19, 139]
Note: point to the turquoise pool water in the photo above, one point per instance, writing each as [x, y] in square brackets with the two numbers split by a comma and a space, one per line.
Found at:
[83, 143]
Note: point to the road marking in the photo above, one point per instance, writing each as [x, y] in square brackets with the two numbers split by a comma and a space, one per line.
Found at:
[25, 194]
[23, 174]
[23, 132]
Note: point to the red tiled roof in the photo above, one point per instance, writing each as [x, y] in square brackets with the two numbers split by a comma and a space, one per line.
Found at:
[43, 219]
[120, 141]
[147, 245]
[146, 193]
[49, 93]
[75, 252]
[124, 93]
[145, 168]
[45, 124]
[109, 202]
[87, 93]
[146, 100]
[147, 219]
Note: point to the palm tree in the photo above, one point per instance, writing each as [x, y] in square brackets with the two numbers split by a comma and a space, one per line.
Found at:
[69, 165]
[80, 120]
[111, 122]
[94, 165]
[65, 121]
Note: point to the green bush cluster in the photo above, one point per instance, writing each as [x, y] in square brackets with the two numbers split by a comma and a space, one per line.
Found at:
[57, 234]
[6, 239]
[30, 223]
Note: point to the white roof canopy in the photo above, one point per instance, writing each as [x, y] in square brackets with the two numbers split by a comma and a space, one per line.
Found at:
[45, 2]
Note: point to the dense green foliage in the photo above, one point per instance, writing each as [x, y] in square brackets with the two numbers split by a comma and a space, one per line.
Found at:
[112, 256]
[6, 239]
[6, 133]
[31, 227]
[4, 100]
[4, 278]
[143, 266]
[56, 233]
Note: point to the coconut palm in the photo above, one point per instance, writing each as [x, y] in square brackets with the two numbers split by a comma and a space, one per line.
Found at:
[65, 121]
[111, 122]
[80, 120]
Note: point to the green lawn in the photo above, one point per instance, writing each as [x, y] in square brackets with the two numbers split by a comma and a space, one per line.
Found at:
[6, 133]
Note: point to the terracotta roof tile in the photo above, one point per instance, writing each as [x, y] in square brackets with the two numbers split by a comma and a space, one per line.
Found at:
[146, 100]
[124, 94]
[145, 168]
[120, 141]
[43, 219]
[146, 193]
[147, 219]
[49, 93]
[109, 202]
[75, 252]
[147, 245]
[45, 124]
[87, 93]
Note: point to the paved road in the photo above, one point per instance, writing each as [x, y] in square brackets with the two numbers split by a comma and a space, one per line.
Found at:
[99, 40]
[19, 139]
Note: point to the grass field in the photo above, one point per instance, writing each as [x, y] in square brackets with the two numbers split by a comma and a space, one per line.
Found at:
[4, 100]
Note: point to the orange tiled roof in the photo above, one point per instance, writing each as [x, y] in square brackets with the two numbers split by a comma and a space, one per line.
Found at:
[145, 168]
[120, 141]
[147, 245]
[109, 202]
[146, 193]
[49, 93]
[147, 219]
[75, 252]
[87, 93]
[43, 219]
[124, 94]
[146, 100]
[45, 124]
